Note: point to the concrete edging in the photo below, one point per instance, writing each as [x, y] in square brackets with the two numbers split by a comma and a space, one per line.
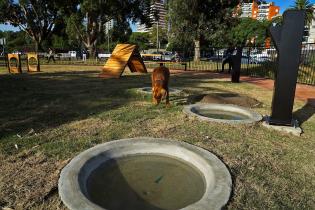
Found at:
[217, 177]
[254, 116]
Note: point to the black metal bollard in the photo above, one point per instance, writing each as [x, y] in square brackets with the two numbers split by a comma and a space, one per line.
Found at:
[288, 41]
[236, 65]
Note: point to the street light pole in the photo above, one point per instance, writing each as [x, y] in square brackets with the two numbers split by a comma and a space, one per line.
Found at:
[108, 42]
[157, 36]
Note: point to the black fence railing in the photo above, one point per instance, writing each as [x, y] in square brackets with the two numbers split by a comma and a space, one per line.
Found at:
[256, 61]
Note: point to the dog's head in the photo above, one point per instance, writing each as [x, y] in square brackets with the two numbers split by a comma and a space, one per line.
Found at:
[159, 93]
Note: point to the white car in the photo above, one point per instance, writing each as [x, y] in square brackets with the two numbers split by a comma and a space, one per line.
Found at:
[16, 52]
[73, 54]
[168, 56]
[103, 55]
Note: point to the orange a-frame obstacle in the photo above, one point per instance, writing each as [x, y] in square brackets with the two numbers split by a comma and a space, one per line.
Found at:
[123, 55]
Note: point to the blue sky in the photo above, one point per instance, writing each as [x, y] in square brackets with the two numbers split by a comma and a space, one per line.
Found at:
[284, 4]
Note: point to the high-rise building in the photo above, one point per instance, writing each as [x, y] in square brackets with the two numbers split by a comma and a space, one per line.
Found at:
[248, 9]
[310, 38]
[157, 16]
[259, 11]
[109, 25]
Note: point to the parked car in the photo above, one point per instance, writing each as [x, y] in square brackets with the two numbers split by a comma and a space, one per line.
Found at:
[168, 56]
[157, 56]
[248, 60]
[260, 59]
[17, 52]
[215, 58]
[73, 54]
[103, 56]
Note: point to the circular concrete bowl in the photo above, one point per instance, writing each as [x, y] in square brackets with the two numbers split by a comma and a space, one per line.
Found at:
[211, 173]
[222, 113]
[148, 90]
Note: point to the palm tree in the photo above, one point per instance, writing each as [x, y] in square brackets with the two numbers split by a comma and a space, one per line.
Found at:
[306, 5]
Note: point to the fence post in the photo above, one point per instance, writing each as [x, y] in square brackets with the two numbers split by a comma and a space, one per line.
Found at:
[218, 60]
[6, 60]
[248, 54]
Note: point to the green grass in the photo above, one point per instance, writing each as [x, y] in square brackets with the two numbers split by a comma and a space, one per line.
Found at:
[54, 115]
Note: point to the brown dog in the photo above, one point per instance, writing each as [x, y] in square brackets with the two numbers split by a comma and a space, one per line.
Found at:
[160, 78]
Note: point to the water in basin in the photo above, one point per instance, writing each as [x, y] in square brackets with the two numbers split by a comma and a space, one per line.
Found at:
[145, 182]
[222, 115]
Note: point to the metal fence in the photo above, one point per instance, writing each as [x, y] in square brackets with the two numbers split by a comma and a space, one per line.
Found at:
[256, 62]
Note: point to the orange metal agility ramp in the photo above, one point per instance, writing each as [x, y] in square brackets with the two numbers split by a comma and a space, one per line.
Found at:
[122, 56]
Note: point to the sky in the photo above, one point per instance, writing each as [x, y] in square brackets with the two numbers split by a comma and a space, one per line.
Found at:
[284, 4]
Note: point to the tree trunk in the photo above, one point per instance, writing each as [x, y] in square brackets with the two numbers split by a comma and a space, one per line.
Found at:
[91, 51]
[91, 47]
[197, 51]
[36, 46]
[36, 42]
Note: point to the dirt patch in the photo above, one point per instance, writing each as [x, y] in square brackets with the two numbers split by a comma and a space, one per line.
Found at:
[28, 179]
[227, 98]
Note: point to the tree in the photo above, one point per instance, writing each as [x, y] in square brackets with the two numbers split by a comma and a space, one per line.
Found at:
[194, 19]
[87, 23]
[162, 36]
[36, 18]
[120, 33]
[278, 20]
[141, 39]
[16, 41]
[305, 5]
[59, 42]
[249, 32]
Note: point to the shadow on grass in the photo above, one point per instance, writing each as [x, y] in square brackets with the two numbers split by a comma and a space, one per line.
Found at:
[46, 100]
[306, 112]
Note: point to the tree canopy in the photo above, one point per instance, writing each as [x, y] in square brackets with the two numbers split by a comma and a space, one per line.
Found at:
[162, 36]
[194, 19]
[305, 5]
[141, 39]
[87, 23]
[36, 18]
[249, 32]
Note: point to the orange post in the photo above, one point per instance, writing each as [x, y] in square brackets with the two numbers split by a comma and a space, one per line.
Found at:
[14, 64]
[33, 62]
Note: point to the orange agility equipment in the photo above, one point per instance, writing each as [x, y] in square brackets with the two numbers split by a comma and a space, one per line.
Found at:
[123, 55]
[14, 63]
[33, 62]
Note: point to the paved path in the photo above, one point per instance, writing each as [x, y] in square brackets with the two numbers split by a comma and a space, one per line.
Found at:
[303, 92]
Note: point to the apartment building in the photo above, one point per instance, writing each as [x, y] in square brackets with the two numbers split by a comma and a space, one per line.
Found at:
[109, 25]
[249, 9]
[259, 11]
[310, 38]
[157, 16]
